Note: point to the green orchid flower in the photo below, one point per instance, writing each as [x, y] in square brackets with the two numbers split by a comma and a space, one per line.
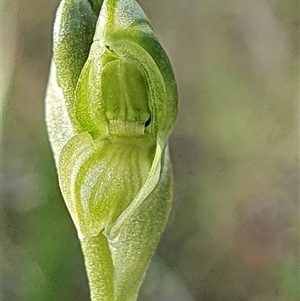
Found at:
[110, 107]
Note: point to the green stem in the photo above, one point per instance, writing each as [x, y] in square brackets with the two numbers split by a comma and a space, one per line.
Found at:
[99, 268]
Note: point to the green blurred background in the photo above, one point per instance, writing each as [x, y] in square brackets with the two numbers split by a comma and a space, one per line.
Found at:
[234, 230]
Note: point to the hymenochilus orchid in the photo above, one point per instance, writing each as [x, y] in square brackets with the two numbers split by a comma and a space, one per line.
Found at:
[110, 107]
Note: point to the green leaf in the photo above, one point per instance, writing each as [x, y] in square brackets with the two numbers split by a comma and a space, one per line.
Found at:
[135, 245]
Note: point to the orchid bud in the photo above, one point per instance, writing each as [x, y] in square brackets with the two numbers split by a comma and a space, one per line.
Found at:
[110, 107]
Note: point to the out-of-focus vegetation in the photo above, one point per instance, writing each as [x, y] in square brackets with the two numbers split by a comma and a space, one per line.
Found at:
[234, 230]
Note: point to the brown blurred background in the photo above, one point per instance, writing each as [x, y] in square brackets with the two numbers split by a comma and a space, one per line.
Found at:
[234, 230]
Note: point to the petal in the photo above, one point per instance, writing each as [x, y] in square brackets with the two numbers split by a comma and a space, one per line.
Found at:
[99, 179]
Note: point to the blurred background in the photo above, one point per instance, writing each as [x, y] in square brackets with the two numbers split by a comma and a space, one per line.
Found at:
[234, 231]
